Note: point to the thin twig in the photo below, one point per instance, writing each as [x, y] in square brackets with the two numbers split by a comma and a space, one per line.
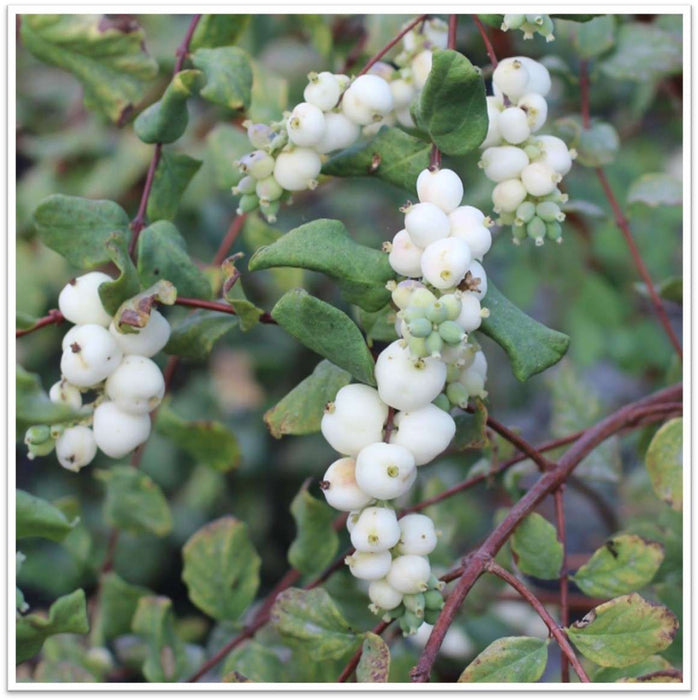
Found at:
[564, 582]
[486, 41]
[377, 57]
[54, 316]
[519, 442]
[230, 237]
[452, 31]
[555, 630]
[218, 306]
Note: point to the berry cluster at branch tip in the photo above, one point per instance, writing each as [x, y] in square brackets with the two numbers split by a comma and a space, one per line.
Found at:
[114, 367]
[384, 434]
[337, 110]
[530, 25]
[527, 166]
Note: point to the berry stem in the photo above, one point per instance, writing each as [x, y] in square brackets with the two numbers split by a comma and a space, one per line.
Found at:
[217, 306]
[555, 630]
[54, 316]
[486, 41]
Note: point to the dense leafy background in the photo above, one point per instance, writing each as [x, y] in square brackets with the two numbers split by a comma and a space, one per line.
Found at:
[586, 287]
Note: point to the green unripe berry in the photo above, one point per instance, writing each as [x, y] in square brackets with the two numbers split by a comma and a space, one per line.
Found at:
[457, 394]
[415, 603]
[451, 332]
[270, 210]
[418, 347]
[548, 211]
[536, 229]
[519, 233]
[37, 434]
[434, 344]
[409, 623]
[431, 616]
[399, 611]
[553, 231]
[437, 312]
[526, 211]
[247, 185]
[433, 600]
[506, 218]
[442, 402]
[420, 327]
[452, 374]
[512, 22]
[422, 298]
[413, 313]
[248, 203]
[453, 306]
[269, 189]
[546, 27]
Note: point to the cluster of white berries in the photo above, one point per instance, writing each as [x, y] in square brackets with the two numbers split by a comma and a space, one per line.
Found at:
[530, 25]
[114, 366]
[386, 433]
[527, 167]
[335, 112]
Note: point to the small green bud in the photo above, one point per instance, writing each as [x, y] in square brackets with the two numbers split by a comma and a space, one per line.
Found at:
[418, 347]
[526, 211]
[433, 600]
[246, 186]
[453, 306]
[248, 203]
[422, 298]
[437, 312]
[553, 231]
[519, 233]
[415, 603]
[548, 211]
[431, 616]
[452, 374]
[512, 22]
[442, 402]
[420, 327]
[409, 623]
[399, 611]
[457, 394]
[270, 210]
[269, 189]
[434, 344]
[536, 229]
[37, 434]
[506, 218]
[413, 313]
[547, 27]
[451, 332]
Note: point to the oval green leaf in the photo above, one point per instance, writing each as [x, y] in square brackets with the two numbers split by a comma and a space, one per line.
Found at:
[374, 665]
[536, 548]
[508, 660]
[664, 460]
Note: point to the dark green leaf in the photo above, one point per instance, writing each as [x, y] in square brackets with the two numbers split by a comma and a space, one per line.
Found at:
[108, 58]
[664, 462]
[162, 254]
[536, 549]
[301, 410]
[78, 228]
[624, 564]
[471, 429]
[195, 335]
[67, 614]
[312, 619]
[206, 441]
[324, 245]
[531, 346]
[166, 120]
[218, 30]
[508, 660]
[377, 325]
[228, 76]
[33, 403]
[155, 622]
[656, 189]
[325, 330]
[452, 106]
[225, 144]
[134, 502]
[39, 518]
[374, 665]
[575, 18]
[248, 313]
[221, 568]
[172, 177]
[648, 665]
[256, 662]
[316, 541]
[127, 285]
[391, 155]
[643, 53]
[269, 94]
[595, 37]
[119, 601]
[623, 631]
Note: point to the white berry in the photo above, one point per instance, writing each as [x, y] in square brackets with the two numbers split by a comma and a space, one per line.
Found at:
[538, 76]
[340, 132]
[470, 316]
[511, 77]
[340, 487]
[477, 272]
[403, 93]
[494, 136]
[136, 385]
[409, 573]
[305, 125]
[445, 262]
[513, 125]
[385, 471]
[426, 223]
[383, 595]
[117, 432]
[425, 432]
[405, 256]
[536, 108]
[79, 300]
[507, 195]
[503, 162]
[441, 187]
[369, 566]
[417, 534]
[296, 170]
[91, 356]
[322, 91]
[555, 154]
[147, 341]
[421, 67]
[539, 179]
[65, 393]
[76, 447]
[367, 99]
[376, 530]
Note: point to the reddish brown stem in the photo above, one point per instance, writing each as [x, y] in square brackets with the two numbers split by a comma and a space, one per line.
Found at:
[548, 482]
[434, 158]
[518, 442]
[354, 661]
[564, 583]
[217, 306]
[377, 57]
[555, 631]
[624, 226]
[486, 41]
[54, 316]
[230, 237]
[452, 31]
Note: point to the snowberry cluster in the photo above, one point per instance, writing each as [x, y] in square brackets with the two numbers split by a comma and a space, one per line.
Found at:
[527, 167]
[116, 367]
[335, 112]
[530, 25]
[387, 432]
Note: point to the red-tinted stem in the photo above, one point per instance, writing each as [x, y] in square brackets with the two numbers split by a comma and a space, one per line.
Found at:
[217, 306]
[230, 237]
[564, 582]
[54, 316]
[521, 444]
[452, 31]
[377, 57]
[486, 40]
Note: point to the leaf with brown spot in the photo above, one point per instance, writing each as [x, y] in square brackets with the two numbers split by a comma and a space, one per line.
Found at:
[135, 312]
[374, 665]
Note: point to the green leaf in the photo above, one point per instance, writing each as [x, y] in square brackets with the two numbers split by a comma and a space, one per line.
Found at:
[155, 622]
[391, 155]
[67, 614]
[596, 145]
[248, 313]
[162, 254]
[78, 228]
[300, 411]
[221, 568]
[119, 601]
[471, 429]
[224, 145]
[134, 502]
[256, 662]
[664, 460]
[33, 403]
[536, 549]
[218, 30]
[377, 325]
[452, 106]
[531, 346]
[624, 564]
[228, 76]
[492, 20]
[325, 330]
[595, 37]
[196, 334]
[166, 120]
[643, 53]
[206, 441]
[312, 619]
[508, 660]
[656, 189]
[624, 631]
[269, 94]
[107, 57]
[648, 665]
[574, 18]
[316, 541]
[127, 285]
[374, 665]
[39, 518]
[172, 177]
[324, 245]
